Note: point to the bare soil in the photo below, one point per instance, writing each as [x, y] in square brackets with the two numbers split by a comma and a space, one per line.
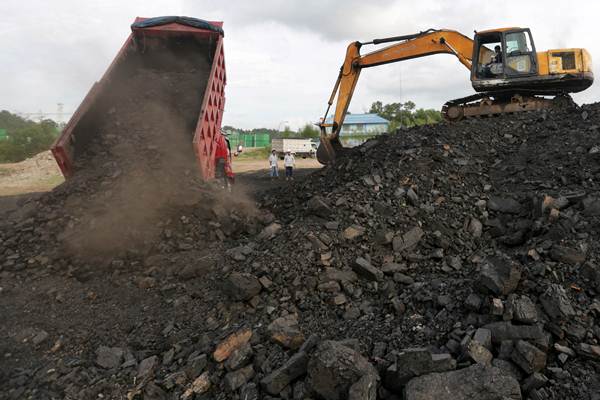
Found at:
[39, 173]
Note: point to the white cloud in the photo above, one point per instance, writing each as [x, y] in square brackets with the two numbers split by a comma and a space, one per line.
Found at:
[282, 56]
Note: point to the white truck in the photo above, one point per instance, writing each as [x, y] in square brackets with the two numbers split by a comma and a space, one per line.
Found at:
[299, 147]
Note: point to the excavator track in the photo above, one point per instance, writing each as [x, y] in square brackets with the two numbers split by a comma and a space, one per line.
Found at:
[503, 102]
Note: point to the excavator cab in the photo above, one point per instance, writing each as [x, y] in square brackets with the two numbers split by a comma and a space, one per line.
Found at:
[505, 54]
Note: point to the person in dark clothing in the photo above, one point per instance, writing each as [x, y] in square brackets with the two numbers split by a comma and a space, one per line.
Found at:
[497, 57]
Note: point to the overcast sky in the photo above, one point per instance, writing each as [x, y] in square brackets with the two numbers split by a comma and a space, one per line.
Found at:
[282, 56]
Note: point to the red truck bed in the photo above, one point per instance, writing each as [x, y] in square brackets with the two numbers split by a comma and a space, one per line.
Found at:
[148, 33]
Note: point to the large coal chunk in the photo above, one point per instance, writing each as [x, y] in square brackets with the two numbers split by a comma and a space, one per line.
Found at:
[286, 331]
[236, 379]
[556, 303]
[504, 205]
[498, 276]
[476, 382]
[589, 351]
[364, 268]
[334, 368]
[521, 309]
[109, 357]
[528, 357]
[415, 362]
[408, 240]
[241, 286]
[567, 255]
[504, 330]
[591, 272]
[319, 207]
[591, 206]
[277, 380]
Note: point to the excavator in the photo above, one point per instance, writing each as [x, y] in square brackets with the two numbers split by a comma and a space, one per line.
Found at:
[506, 72]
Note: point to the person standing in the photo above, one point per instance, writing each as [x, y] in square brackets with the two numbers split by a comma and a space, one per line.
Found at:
[273, 164]
[289, 162]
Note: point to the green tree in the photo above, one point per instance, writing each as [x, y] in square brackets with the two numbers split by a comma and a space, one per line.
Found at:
[405, 114]
[25, 138]
[309, 131]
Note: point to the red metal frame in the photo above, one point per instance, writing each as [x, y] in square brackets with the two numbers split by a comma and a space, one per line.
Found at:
[208, 129]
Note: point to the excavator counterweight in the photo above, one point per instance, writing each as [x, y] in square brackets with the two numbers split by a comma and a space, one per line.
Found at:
[506, 71]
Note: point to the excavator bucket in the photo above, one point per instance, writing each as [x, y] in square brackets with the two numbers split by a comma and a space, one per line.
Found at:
[329, 149]
[324, 155]
[325, 152]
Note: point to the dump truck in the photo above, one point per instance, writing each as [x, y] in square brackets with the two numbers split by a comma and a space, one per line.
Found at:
[158, 41]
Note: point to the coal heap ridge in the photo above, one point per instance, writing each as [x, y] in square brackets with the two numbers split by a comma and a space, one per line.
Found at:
[457, 259]
[473, 242]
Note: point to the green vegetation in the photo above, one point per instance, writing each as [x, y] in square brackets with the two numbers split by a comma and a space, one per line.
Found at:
[228, 128]
[309, 131]
[25, 138]
[405, 114]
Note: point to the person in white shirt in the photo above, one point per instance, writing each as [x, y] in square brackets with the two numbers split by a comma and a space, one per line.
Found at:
[289, 163]
[273, 164]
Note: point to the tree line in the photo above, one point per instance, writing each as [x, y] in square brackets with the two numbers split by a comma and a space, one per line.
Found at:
[24, 138]
[405, 115]
[308, 131]
[400, 115]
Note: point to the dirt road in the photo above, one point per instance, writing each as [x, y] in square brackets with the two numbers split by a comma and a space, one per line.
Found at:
[253, 175]
[240, 166]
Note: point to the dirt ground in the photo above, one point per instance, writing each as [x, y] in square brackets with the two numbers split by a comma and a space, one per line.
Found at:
[253, 175]
[41, 174]
[240, 166]
[32, 177]
[36, 174]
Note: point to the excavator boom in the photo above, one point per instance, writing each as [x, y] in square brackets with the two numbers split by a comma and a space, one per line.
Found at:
[410, 46]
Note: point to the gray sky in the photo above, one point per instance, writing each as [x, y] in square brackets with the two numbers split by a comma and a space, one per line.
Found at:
[282, 56]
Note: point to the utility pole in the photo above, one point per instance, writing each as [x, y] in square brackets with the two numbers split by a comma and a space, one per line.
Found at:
[59, 113]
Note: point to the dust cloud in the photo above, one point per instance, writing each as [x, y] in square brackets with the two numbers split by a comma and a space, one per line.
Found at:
[139, 166]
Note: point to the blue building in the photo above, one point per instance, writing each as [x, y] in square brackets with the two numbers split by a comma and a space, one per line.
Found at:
[363, 125]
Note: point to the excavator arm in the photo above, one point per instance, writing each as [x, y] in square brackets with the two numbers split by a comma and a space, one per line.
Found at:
[410, 46]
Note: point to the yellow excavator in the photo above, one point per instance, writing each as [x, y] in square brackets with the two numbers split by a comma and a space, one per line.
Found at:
[506, 71]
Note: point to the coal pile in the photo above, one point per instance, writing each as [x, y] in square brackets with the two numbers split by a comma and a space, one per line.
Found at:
[77, 263]
[455, 260]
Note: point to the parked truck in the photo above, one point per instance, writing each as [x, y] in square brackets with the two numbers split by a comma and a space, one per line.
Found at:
[161, 38]
[300, 147]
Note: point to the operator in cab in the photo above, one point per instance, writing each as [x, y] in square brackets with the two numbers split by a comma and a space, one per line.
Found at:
[495, 66]
[497, 57]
